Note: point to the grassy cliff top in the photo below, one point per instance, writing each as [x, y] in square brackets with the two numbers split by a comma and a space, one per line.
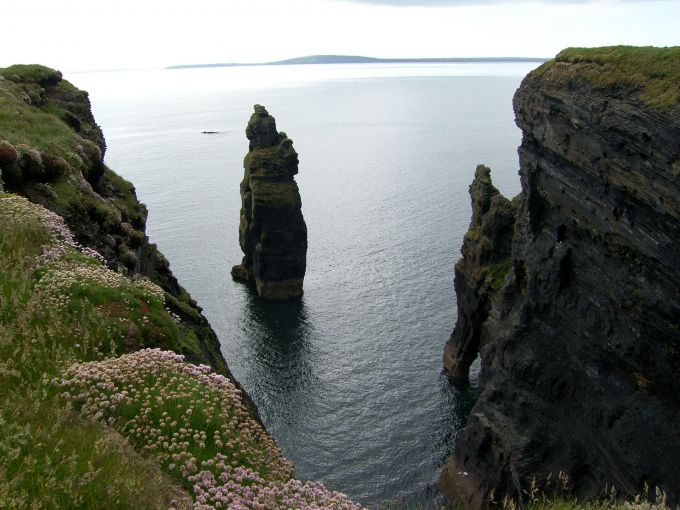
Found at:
[32, 73]
[29, 118]
[653, 74]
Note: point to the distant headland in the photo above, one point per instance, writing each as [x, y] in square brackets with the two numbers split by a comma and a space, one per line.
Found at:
[356, 59]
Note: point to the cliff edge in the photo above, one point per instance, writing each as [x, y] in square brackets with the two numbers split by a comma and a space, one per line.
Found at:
[580, 345]
[52, 152]
[98, 405]
[272, 231]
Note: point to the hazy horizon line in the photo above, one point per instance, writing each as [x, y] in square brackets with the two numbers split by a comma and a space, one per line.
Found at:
[361, 59]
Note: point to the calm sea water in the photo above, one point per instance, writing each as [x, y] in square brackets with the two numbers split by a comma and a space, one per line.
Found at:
[348, 380]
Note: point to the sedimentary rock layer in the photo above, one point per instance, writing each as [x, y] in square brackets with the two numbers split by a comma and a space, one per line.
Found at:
[479, 273]
[272, 231]
[580, 346]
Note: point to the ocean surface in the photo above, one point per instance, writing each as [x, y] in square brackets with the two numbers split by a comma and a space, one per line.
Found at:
[348, 380]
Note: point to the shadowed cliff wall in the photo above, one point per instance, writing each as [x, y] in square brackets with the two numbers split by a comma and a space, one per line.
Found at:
[580, 346]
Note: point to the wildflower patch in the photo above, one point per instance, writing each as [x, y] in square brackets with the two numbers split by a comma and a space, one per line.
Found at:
[17, 209]
[196, 424]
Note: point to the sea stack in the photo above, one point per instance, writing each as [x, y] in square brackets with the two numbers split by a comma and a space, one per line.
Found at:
[272, 231]
[480, 273]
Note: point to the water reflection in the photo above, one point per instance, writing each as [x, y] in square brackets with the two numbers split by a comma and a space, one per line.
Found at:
[455, 406]
[279, 342]
[449, 419]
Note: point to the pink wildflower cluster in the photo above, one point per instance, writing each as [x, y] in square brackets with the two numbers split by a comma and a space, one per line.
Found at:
[195, 422]
[149, 288]
[18, 209]
[176, 318]
[241, 488]
[55, 287]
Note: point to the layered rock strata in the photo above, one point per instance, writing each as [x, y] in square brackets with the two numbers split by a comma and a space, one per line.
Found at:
[272, 231]
[479, 273]
[580, 346]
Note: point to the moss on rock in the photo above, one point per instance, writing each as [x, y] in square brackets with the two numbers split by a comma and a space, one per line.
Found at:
[649, 73]
[272, 231]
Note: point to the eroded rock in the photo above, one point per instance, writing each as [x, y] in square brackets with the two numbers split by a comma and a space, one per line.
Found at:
[272, 231]
[480, 273]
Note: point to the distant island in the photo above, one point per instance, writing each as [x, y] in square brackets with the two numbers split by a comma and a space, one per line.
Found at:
[356, 59]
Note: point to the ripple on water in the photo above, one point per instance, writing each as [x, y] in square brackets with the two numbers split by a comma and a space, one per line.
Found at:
[348, 378]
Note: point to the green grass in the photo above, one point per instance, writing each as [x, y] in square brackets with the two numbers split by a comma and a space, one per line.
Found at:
[66, 193]
[22, 124]
[124, 199]
[49, 456]
[652, 73]
[495, 274]
[472, 235]
[183, 306]
[35, 113]
[30, 73]
[68, 198]
[57, 110]
[31, 121]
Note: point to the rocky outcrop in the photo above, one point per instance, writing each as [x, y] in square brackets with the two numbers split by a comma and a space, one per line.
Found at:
[580, 347]
[272, 231]
[480, 272]
[52, 152]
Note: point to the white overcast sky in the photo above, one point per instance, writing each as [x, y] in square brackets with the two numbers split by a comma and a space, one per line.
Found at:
[74, 35]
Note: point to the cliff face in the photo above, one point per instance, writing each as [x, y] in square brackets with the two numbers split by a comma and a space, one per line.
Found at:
[272, 231]
[51, 151]
[580, 347]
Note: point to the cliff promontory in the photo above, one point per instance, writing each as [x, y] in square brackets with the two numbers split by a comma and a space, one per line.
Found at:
[272, 231]
[100, 406]
[52, 152]
[579, 339]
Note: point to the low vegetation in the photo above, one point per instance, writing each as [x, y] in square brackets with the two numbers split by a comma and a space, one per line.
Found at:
[651, 73]
[94, 404]
[28, 127]
[49, 456]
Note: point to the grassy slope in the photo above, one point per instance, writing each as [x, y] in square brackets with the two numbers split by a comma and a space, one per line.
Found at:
[51, 152]
[50, 457]
[85, 425]
[59, 162]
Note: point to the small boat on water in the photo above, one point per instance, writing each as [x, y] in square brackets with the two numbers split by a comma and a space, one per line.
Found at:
[210, 132]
